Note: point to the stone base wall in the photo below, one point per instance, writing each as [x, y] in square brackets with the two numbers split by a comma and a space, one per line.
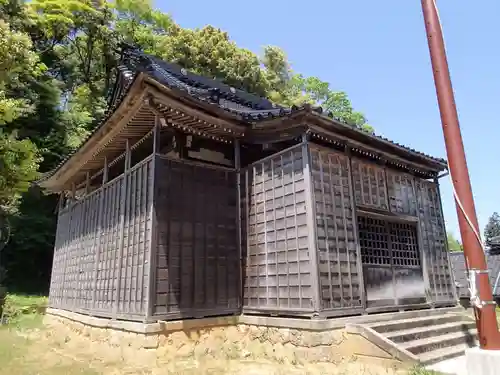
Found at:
[227, 338]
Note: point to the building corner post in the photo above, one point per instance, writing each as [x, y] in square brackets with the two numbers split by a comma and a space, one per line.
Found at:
[311, 223]
[153, 243]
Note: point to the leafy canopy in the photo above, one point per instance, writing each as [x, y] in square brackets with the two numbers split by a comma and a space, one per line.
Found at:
[492, 228]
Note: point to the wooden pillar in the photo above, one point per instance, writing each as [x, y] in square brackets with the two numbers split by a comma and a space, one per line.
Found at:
[237, 166]
[153, 243]
[105, 171]
[311, 224]
[355, 230]
[422, 247]
[97, 241]
[87, 183]
[63, 294]
[121, 235]
[447, 251]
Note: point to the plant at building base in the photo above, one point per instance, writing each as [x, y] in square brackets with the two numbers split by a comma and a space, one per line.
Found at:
[492, 228]
[3, 292]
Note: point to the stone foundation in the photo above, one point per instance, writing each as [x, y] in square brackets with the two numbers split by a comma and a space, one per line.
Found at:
[226, 337]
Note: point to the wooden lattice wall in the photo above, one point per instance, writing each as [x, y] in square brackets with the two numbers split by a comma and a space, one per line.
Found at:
[103, 244]
[339, 263]
[302, 234]
[161, 240]
[197, 259]
[278, 270]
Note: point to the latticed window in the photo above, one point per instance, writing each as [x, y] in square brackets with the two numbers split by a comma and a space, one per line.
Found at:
[384, 242]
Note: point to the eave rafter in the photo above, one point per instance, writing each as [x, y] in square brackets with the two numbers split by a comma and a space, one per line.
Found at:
[172, 117]
[132, 121]
[223, 122]
[322, 132]
[366, 151]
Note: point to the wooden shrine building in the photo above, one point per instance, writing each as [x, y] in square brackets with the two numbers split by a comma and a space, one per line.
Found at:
[194, 198]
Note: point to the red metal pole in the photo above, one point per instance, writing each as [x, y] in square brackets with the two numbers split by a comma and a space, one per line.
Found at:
[489, 337]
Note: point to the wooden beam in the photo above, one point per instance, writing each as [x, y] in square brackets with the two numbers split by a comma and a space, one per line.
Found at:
[122, 155]
[355, 144]
[105, 171]
[171, 123]
[159, 97]
[321, 126]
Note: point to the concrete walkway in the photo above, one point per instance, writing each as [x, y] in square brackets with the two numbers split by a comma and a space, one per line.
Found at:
[454, 366]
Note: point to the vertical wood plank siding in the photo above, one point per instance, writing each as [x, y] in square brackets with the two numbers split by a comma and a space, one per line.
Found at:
[402, 199]
[299, 212]
[339, 262]
[278, 275]
[433, 233]
[370, 185]
[198, 264]
[85, 275]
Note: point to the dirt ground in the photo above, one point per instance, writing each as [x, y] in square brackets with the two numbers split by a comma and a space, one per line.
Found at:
[28, 348]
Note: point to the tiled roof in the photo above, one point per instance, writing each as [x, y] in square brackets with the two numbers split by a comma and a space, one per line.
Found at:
[249, 107]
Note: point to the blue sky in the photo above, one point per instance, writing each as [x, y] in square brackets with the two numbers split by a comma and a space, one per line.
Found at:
[377, 52]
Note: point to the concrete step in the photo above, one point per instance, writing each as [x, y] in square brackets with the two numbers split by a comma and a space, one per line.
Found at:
[437, 342]
[421, 332]
[422, 321]
[438, 355]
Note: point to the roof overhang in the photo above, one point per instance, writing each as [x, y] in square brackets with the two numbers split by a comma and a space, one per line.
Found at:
[56, 180]
[145, 98]
[330, 130]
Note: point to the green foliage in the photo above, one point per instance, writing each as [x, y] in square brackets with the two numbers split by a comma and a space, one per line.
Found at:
[210, 52]
[18, 167]
[492, 228]
[420, 370]
[18, 157]
[16, 305]
[453, 243]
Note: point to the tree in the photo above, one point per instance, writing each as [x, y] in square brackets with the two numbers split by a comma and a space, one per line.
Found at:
[492, 228]
[453, 243]
[18, 157]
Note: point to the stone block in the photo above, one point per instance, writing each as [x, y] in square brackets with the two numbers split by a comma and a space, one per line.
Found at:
[482, 362]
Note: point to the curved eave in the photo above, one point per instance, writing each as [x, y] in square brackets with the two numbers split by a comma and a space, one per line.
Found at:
[133, 119]
[101, 136]
[205, 111]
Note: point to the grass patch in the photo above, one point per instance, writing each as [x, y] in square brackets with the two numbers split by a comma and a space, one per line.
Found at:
[419, 370]
[17, 306]
[22, 355]
[23, 349]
